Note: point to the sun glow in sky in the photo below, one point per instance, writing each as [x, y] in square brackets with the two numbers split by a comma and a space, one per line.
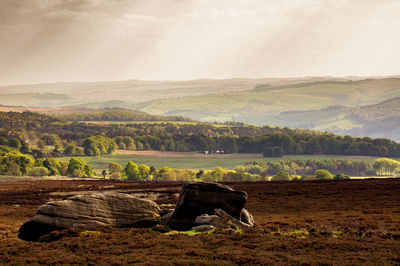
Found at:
[94, 40]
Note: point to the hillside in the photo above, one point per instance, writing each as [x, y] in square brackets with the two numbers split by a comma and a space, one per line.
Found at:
[130, 91]
[123, 93]
[343, 106]
[321, 105]
[258, 103]
[88, 114]
[378, 120]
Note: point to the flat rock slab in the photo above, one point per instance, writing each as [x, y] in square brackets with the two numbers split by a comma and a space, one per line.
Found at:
[203, 198]
[91, 212]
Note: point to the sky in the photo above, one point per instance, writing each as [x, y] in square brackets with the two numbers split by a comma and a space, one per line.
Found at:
[95, 40]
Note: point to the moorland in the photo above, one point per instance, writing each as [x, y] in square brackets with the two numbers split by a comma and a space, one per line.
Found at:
[312, 222]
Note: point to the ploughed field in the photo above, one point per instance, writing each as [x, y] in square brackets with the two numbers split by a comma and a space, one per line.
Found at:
[310, 222]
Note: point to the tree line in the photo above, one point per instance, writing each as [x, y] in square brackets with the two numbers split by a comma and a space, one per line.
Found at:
[117, 114]
[18, 164]
[26, 165]
[202, 137]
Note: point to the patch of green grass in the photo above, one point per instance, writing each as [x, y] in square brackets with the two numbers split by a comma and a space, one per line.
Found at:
[189, 233]
[227, 161]
[102, 162]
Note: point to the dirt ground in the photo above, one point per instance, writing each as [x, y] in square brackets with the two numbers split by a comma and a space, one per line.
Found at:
[340, 222]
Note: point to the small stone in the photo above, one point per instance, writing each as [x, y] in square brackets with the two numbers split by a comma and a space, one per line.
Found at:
[203, 228]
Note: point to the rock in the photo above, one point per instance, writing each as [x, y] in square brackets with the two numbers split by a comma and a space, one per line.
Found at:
[247, 218]
[203, 198]
[166, 218]
[163, 212]
[203, 228]
[229, 220]
[91, 212]
[221, 219]
[205, 219]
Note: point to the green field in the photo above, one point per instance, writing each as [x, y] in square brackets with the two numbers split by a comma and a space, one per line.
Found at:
[187, 161]
[101, 162]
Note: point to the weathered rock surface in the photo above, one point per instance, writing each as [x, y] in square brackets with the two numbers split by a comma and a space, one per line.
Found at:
[203, 228]
[163, 212]
[247, 218]
[166, 218]
[221, 219]
[203, 198]
[91, 211]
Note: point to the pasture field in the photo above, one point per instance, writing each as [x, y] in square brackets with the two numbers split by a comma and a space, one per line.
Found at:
[193, 160]
[342, 222]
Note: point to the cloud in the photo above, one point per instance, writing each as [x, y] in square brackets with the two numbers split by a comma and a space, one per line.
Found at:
[70, 40]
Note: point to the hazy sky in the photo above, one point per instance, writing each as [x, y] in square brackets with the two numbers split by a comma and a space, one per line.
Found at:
[92, 40]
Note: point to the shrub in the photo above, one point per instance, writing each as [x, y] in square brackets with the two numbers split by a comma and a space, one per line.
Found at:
[306, 177]
[131, 171]
[341, 176]
[88, 171]
[115, 170]
[39, 171]
[281, 176]
[70, 149]
[14, 143]
[296, 178]
[76, 167]
[323, 174]
[53, 166]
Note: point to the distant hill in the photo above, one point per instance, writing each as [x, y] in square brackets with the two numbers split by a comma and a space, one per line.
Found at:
[262, 104]
[339, 106]
[87, 114]
[351, 105]
[35, 99]
[378, 120]
[122, 93]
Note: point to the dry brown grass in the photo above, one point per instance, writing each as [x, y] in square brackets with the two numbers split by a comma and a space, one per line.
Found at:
[331, 222]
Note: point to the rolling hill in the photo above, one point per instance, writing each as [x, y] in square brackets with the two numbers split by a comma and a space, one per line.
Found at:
[356, 106]
[342, 107]
[124, 93]
[261, 103]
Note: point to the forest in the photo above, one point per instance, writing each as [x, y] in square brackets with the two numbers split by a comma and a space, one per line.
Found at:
[26, 137]
[202, 137]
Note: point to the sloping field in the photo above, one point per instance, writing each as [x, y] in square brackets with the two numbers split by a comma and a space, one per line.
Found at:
[273, 100]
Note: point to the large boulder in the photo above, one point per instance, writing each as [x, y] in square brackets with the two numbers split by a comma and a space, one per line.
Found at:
[91, 212]
[203, 198]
